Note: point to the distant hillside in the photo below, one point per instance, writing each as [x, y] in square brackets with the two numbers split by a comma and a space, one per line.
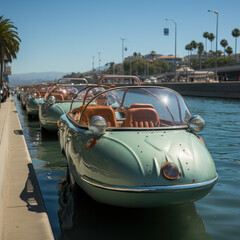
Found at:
[29, 78]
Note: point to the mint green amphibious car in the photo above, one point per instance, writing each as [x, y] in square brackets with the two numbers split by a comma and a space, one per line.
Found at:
[35, 97]
[56, 102]
[136, 146]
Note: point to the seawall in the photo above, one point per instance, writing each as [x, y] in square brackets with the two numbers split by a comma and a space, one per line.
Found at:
[208, 89]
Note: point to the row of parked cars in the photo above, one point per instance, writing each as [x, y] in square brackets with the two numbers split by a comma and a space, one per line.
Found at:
[128, 145]
[4, 93]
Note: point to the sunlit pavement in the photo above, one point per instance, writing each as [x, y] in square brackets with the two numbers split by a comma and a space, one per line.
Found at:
[22, 211]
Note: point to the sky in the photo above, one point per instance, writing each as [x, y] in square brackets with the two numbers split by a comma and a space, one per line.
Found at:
[69, 36]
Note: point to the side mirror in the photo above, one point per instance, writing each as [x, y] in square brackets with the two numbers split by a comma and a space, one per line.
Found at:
[196, 123]
[97, 125]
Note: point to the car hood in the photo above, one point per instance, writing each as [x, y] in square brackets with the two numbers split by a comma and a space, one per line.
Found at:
[136, 158]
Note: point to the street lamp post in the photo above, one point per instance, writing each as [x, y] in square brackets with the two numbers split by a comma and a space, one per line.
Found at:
[93, 66]
[123, 39]
[216, 12]
[99, 60]
[175, 59]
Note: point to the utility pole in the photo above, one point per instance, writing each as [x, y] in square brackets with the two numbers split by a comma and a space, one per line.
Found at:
[216, 12]
[99, 60]
[123, 39]
[175, 59]
[93, 66]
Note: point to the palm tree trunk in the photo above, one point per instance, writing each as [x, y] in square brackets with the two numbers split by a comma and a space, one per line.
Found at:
[206, 46]
[235, 48]
[200, 62]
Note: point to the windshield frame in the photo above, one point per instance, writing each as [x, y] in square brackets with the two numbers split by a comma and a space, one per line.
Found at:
[126, 88]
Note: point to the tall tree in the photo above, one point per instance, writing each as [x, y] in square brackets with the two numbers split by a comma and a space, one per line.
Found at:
[224, 44]
[194, 44]
[153, 54]
[211, 37]
[229, 50]
[200, 52]
[205, 35]
[236, 34]
[9, 43]
[188, 47]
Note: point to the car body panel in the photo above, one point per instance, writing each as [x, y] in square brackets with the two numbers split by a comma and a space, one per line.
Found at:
[50, 112]
[124, 166]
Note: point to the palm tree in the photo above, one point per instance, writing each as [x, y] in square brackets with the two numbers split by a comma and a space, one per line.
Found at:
[236, 34]
[194, 44]
[9, 43]
[224, 43]
[205, 35]
[200, 52]
[211, 37]
[153, 54]
[188, 47]
[229, 50]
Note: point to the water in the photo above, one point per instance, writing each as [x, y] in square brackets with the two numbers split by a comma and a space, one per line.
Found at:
[76, 216]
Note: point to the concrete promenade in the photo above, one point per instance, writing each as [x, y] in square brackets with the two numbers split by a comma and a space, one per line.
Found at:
[22, 211]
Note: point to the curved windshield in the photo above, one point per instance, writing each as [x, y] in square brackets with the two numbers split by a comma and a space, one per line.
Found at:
[73, 80]
[38, 91]
[120, 79]
[64, 92]
[134, 107]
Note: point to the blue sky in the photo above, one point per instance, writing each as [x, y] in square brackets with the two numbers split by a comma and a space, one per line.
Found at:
[60, 35]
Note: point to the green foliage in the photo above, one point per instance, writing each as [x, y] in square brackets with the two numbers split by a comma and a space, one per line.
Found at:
[228, 61]
[74, 75]
[210, 62]
[9, 42]
[229, 50]
[235, 32]
[193, 44]
[139, 66]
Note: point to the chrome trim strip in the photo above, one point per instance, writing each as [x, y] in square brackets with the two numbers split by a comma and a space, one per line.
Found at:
[153, 189]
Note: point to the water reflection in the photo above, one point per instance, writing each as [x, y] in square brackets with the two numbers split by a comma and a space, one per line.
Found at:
[82, 217]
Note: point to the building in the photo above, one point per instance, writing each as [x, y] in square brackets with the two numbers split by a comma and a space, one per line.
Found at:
[170, 59]
[156, 57]
[6, 71]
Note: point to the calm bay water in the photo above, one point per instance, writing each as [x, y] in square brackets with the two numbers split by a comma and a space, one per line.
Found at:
[76, 216]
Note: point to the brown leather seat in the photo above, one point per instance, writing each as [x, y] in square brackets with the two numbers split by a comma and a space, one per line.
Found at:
[141, 105]
[95, 110]
[41, 93]
[141, 117]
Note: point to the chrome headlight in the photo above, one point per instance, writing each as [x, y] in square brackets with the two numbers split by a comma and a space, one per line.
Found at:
[97, 125]
[34, 95]
[51, 99]
[196, 123]
[170, 170]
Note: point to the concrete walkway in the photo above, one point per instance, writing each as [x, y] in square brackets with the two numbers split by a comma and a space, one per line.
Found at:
[22, 211]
